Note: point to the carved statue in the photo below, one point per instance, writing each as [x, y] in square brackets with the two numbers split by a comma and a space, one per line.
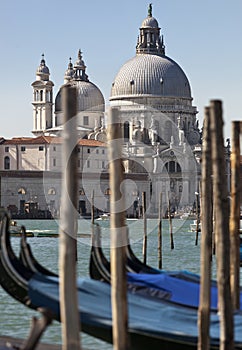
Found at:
[150, 10]
[137, 133]
[153, 131]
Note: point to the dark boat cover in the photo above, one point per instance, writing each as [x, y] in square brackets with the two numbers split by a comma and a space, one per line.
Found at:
[147, 317]
[182, 291]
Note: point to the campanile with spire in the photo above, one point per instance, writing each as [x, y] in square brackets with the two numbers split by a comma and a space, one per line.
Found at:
[42, 99]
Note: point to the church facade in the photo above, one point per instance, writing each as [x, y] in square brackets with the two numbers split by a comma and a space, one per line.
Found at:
[160, 131]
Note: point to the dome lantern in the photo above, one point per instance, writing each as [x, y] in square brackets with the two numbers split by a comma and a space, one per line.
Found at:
[80, 69]
[149, 40]
[42, 72]
[69, 72]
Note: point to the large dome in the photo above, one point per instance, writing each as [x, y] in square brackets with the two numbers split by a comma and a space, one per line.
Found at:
[152, 75]
[89, 97]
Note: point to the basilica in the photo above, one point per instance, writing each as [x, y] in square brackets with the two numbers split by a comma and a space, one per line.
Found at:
[160, 131]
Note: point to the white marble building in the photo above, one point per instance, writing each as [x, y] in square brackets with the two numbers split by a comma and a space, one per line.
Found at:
[161, 135]
[160, 127]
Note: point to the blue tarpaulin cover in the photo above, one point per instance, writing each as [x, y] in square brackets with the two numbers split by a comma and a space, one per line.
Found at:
[181, 291]
[153, 318]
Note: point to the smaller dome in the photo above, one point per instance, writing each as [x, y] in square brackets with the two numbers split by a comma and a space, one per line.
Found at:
[79, 62]
[70, 71]
[43, 69]
[89, 97]
[149, 22]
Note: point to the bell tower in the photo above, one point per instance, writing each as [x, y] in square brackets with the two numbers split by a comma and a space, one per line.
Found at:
[42, 99]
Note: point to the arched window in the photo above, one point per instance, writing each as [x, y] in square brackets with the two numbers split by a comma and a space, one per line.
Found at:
[178, 170]
[81, 192]
[151, 188]
[172, 167]
[48, 96]
[21, 190]
[168, 130]
[51, 191]
[107, 192]
[41, 95]
[6, 163]
[126, 131]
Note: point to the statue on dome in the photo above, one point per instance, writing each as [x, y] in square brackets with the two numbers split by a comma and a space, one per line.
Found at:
[150, 10]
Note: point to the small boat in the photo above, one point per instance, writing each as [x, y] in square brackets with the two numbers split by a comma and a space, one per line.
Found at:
[104, 217]
[188, 216]
[16, 230]
[56, 235]
[193, 226]
[151, 323]
[47, 234]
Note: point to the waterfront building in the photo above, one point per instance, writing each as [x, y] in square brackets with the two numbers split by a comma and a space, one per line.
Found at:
[30, 172]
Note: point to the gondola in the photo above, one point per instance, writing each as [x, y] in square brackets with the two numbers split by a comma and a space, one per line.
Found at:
[155, 324]
[27, 258]
[177, 286]
[183, 286]
[99, 266]
[143, 284]
[151, 323]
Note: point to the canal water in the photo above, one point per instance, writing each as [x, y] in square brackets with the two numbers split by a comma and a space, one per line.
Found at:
[15, 317]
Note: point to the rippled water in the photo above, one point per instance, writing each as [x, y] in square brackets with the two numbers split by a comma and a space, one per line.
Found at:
[15, 318]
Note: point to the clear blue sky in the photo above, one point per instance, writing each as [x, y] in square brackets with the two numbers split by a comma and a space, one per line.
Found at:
[203, 37]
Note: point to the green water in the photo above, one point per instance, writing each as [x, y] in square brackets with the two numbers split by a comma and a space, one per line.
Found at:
[15, 318]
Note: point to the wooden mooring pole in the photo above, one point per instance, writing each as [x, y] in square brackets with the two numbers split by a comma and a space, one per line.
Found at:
[92, 209]
[197, 217]
[234, 223]
[206, 238]
[145, 227]
[92, 215]
[222, 226]
[160, 233]
[68, 226]
[118, 235]
[170, 224]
